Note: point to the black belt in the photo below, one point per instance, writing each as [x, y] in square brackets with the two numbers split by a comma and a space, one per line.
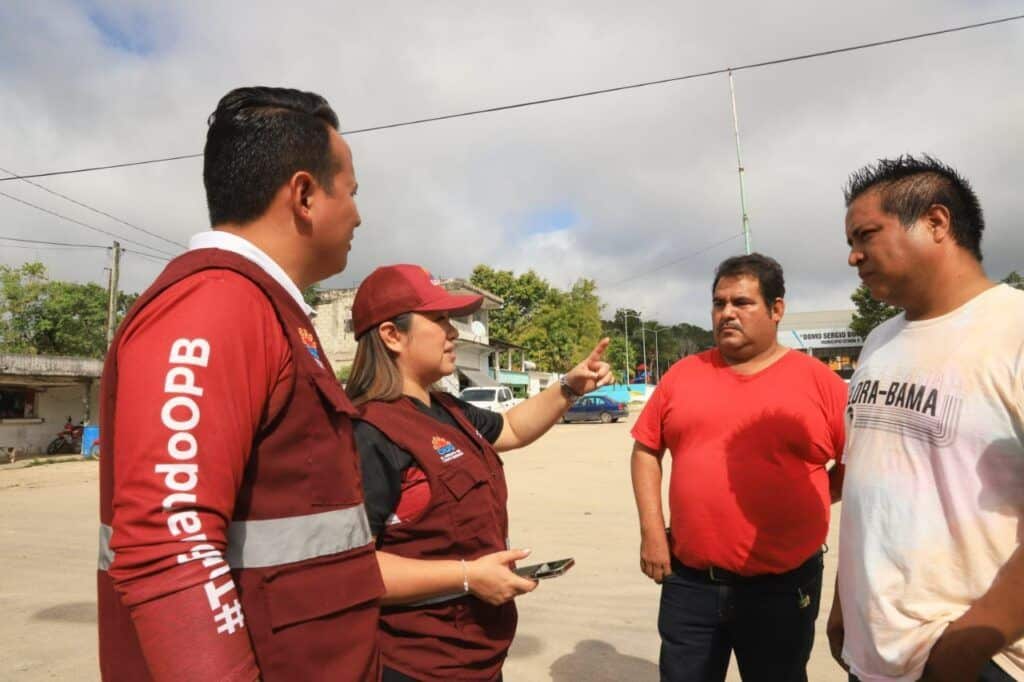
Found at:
[721, 576]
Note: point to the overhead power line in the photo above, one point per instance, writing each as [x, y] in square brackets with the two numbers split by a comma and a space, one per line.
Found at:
[106, 167]
[146, 255]
[689, 76]
[92, 208]
[39, 241]
[38, 248]
[43, 244]
[79, 222]
[578, 95]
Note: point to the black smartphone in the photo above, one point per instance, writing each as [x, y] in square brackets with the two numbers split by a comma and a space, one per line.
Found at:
[550, 569]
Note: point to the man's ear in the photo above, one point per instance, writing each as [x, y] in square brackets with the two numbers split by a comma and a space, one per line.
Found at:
[391, 336]
[778, 310]
[301, 190]
[937, 218]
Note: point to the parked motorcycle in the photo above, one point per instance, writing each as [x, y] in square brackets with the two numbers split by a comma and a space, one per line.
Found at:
[68, 440]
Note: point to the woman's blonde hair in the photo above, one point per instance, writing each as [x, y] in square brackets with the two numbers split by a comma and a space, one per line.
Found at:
[375, 375]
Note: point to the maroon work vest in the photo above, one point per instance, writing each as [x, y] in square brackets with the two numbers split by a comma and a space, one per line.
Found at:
[299, 544]
[463, 638]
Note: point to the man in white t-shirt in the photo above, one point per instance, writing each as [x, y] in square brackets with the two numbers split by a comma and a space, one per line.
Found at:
[931, 567]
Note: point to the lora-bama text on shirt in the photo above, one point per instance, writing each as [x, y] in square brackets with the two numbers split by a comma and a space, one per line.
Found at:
[180, 414]
[898, 394]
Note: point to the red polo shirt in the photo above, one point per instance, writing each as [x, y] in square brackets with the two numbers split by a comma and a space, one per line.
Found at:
[748, 490]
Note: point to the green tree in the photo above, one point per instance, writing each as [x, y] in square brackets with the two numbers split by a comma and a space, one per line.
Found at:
[72, 321]
[558, 328]
[869, 313]
[311, 295]
[616, 356]
[1014, 280]
[694, 338]
[563, 328]
[21, 291]
[342, 373]
[523, 295]
[585, 307]
[674, 341]
[39, 316]
[615, 329]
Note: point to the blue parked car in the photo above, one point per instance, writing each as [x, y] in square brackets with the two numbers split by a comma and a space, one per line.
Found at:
[596, 408]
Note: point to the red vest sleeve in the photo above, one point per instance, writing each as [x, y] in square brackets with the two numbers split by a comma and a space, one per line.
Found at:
[199, 368]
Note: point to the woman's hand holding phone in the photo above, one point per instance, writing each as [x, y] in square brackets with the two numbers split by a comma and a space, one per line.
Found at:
[492, 580]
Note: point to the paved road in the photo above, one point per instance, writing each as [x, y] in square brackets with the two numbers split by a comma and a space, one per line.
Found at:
[48, 527]
[570, 496]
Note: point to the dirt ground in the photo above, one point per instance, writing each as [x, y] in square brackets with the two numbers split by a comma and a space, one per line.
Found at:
[570, 496]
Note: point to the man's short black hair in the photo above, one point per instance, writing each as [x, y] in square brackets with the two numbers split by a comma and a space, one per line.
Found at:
[258, 138]
[908, 186]
[764, 269]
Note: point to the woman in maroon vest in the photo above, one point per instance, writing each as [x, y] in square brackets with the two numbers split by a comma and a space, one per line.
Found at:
[435, 486]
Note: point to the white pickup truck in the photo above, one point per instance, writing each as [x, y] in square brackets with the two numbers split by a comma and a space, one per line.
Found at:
[495, 399]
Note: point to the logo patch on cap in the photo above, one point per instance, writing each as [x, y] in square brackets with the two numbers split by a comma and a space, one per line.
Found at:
[445, 450]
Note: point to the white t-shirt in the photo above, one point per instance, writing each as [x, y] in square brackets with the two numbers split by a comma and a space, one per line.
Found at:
[933, 501]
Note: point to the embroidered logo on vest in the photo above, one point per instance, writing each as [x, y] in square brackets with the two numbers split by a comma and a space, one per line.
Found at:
[445, 450]
[310, 343]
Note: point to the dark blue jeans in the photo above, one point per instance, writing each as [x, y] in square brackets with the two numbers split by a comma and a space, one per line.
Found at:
[768, 623]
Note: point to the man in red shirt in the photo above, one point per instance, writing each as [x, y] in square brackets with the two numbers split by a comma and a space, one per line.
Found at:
[233, 542]
[751, 427]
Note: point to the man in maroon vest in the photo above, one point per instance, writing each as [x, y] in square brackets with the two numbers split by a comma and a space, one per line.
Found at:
[233, 540]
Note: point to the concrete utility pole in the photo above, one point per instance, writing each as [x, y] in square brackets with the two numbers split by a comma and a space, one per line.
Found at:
[643, 339]
[739, 164]
[625, 326]
[115, 266]
[657, 355]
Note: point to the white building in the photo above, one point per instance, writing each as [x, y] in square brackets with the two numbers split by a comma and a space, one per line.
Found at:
[39, 392]
[824, 334]
[473, 347]
[333, 322]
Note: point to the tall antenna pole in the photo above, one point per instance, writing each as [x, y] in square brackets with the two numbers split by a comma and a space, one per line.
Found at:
[739, 164]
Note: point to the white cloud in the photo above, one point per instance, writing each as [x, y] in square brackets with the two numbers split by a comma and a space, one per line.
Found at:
[649, 173]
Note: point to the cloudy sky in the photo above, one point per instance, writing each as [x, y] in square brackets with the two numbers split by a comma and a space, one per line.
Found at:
[637, 189]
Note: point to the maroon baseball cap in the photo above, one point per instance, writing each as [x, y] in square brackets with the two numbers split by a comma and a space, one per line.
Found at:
[391, 290]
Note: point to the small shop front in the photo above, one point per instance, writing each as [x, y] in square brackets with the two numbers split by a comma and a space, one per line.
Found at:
[826, 335]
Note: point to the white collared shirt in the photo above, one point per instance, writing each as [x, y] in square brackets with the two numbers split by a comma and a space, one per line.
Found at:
[225, 241]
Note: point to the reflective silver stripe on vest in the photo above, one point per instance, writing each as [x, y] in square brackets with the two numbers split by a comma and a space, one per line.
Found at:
[272, 542]
[256, 544]
[106, 554]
